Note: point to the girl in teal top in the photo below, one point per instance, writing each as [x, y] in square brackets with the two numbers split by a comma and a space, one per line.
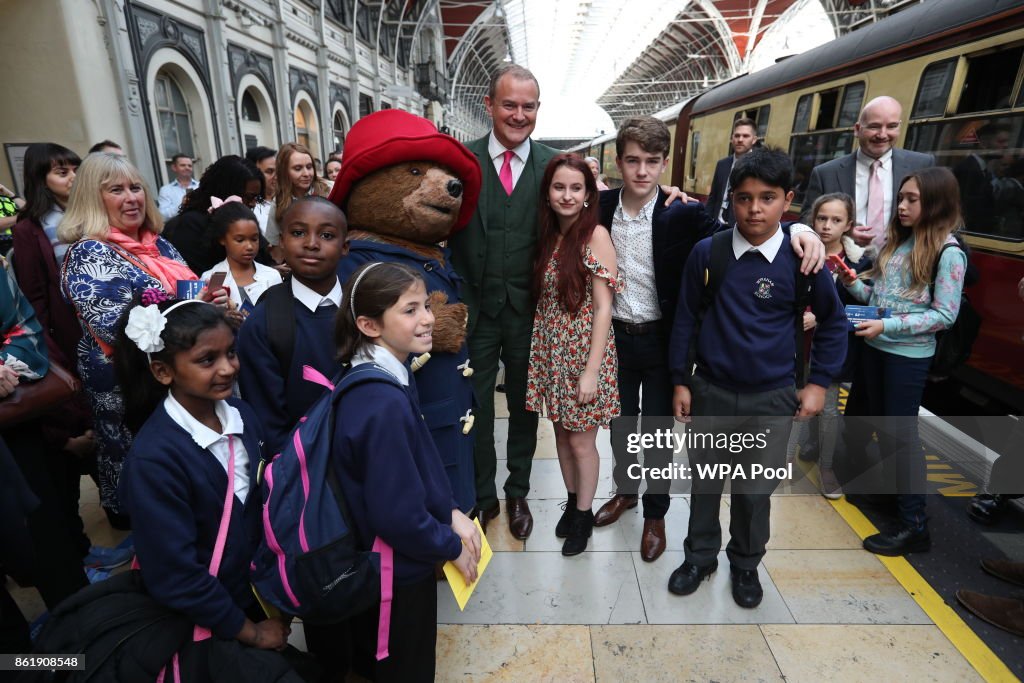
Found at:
[894, 367]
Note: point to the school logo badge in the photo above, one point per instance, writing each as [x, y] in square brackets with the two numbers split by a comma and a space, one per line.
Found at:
[763, 288]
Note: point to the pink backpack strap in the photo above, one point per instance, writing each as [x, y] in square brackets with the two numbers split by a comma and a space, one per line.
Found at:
[200, 632]
[311, 374]
[387, 580]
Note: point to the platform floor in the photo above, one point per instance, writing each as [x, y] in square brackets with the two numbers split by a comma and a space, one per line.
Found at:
[831, 610]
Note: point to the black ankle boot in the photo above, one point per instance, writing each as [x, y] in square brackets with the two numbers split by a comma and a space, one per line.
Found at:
[580, 528]
[565, 521]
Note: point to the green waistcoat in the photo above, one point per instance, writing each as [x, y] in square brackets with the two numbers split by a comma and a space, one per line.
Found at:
[495, 253]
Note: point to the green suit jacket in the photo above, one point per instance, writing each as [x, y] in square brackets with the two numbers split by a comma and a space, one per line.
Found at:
[495, 252]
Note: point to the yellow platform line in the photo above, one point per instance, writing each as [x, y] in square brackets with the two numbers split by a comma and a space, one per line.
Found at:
[973, 648]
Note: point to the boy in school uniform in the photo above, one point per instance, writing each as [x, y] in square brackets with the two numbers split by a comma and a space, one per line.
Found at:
[746, 366]
[652, 242]
[293, 324]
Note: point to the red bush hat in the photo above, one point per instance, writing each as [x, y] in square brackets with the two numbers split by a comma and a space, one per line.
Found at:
[393, 136]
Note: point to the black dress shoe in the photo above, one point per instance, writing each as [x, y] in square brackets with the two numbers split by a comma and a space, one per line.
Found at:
[565, 521]
[986, 508]
[900, 542]
[687, 577]
[746, 587]
[520, 521]
[486, 515]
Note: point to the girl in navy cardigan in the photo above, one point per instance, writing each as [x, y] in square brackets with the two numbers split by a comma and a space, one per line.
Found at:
[389, 469]
[177, 365]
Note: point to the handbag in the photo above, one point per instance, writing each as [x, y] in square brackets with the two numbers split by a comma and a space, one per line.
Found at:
[32, 399]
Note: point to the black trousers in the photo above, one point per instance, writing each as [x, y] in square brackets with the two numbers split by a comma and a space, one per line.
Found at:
[57, 568]
[412, 641]
[645, 389]
[769, 413]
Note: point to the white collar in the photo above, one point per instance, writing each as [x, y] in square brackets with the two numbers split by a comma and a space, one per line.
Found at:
[867, 159]
[769, 248]
[496, 149]
[311, 299]
[646, 211]
[385, 359]
[230, 422]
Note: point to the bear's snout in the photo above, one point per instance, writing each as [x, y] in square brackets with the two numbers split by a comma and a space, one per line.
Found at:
[454, 188]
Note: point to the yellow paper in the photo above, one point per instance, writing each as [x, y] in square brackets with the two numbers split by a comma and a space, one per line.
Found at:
[455, 580]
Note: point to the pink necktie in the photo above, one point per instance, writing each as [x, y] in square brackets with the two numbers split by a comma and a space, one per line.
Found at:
[505, 176]
[876, 200]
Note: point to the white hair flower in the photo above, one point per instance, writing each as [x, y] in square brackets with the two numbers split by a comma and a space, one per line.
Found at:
[145, 323]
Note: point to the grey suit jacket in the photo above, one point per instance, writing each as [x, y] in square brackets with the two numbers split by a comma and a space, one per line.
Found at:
[840, 175]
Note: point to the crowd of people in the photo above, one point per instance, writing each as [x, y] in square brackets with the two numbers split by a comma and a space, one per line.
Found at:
[599, 303]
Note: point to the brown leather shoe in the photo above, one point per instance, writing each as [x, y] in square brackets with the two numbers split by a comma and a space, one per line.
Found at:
[652, 542]
[520, 521]
[613, 509]
[487, 515]
[1005, 570]
[1005, 613]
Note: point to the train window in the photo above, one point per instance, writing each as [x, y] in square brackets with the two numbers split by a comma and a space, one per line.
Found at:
[694, 148]
[853, 96]
[808, 151]
[827, 102]
[987, 156]
[933, 92]
[758, 115]
[802, 118]
[990, 80]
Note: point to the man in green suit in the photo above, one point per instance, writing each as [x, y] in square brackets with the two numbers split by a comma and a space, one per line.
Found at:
[495, 255]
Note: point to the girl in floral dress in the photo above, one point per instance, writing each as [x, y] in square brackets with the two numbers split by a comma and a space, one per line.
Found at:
[572, 372]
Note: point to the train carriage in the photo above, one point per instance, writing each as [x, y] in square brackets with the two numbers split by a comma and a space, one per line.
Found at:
[958, 70]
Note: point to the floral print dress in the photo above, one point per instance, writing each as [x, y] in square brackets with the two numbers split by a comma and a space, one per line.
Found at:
[559, 349]
[100, 284]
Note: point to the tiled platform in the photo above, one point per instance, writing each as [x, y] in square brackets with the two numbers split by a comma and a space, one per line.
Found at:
[831, 610]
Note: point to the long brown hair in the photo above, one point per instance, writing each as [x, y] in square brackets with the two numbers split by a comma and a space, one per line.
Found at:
[283, 198]
[940, 216]
[571, 275]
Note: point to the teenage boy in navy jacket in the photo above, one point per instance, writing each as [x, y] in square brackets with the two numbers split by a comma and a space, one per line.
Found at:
[746, 366]
[652, 242]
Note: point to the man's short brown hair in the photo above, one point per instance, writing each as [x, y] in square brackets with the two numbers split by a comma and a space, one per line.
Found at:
[744, 121]
[651, 134]
[515, 71]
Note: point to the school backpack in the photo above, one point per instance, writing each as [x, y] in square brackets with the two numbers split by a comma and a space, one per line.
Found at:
[953, 346]
[310, 563]
[721, 258]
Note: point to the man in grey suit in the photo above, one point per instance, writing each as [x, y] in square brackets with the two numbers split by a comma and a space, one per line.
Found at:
[872, 174]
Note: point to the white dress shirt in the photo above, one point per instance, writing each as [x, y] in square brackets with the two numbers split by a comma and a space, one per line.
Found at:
[265, 278]
[384, 358]
[214, 443]
[863, 178]
[262, 212]
[497, 153]
[769, 248]
[311, 300]
[171, 195]
[634, 254]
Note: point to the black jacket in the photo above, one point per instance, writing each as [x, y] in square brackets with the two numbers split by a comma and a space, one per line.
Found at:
[675, 231]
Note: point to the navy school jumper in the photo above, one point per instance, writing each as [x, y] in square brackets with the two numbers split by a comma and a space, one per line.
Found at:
[174, 492]
[393, 479]
[747, 338]
[446, 395]
[278, 395]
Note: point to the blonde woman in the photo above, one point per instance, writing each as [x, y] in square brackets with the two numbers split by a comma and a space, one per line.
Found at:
[116, 252]
[296, 178]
